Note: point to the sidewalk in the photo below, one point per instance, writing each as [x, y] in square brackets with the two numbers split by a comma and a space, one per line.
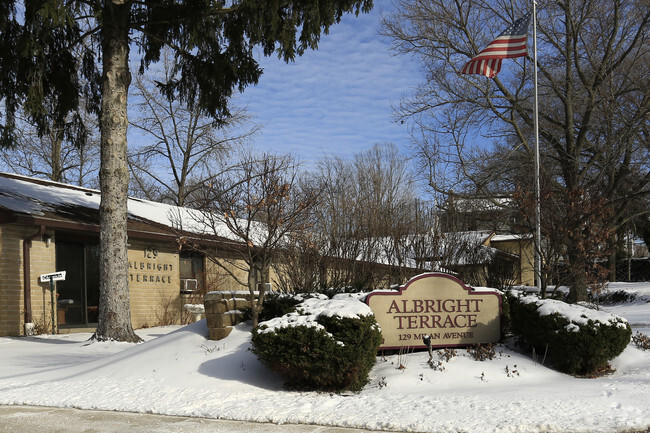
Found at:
[29, 419]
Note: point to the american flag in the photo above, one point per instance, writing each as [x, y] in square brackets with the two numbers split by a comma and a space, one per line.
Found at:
[510, 43]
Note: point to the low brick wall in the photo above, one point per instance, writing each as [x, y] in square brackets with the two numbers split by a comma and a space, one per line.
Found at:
[223, 311]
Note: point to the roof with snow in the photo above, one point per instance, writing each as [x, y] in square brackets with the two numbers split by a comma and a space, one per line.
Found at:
[471, 248]
[479, 204]
[511, 237]
[56, 205]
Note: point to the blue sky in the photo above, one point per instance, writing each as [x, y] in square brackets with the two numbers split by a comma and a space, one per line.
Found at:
[337, 100]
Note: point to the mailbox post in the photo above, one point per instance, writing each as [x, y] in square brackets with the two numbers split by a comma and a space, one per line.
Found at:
[52, 277]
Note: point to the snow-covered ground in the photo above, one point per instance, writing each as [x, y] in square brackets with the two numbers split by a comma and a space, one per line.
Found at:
[177, 371]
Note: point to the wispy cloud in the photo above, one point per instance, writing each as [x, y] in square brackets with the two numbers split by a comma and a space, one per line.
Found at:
[337, 100]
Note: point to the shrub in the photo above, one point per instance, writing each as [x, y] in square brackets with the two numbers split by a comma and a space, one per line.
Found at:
[616, 297]
[447, 353]
[577, 340]
[331, 292]
[328, 345]
[482, 352]
[42, 327]
[641, 341]
[275, 304]
[505, 312]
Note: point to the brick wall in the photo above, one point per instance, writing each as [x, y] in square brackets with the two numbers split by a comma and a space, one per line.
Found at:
[42, 261]
[11, 300]
[220, 279]
[154, 283]
[11, 280]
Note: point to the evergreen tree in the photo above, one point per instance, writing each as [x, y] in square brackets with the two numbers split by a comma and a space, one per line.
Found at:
[52, 52]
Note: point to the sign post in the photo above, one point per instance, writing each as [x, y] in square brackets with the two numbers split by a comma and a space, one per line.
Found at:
[52, 277]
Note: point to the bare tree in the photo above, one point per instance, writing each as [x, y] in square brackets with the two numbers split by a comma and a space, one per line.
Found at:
[185, 148]
[594, 105]
[52, 156]
[369, 224]
[256, 204]
[301, 268]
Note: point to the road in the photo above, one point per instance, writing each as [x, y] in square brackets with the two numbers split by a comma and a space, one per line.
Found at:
[29, 419]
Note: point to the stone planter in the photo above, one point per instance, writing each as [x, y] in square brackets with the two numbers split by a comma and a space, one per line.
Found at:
[223, 311]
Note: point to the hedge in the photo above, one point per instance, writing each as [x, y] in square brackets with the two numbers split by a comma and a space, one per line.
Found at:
[328, 345]
[576, 339]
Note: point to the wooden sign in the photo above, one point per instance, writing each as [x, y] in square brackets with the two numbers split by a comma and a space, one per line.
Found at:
[439, 306]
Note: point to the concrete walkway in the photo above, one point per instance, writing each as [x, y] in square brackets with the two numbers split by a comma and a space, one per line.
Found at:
[29, 419]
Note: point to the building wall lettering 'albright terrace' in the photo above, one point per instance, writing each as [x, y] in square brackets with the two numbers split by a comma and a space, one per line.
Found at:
[152, 266]
[440, 306]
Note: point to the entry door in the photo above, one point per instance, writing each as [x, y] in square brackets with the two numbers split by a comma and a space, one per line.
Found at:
[72, 299]
[78, 298]
[92, 283]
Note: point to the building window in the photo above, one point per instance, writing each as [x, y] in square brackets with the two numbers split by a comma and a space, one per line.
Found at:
[191, 272]
[257, 274]
[260, 278]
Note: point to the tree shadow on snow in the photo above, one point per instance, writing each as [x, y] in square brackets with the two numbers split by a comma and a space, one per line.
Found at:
[239, 364]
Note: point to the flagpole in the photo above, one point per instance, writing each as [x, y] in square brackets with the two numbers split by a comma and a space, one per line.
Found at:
[538, 231]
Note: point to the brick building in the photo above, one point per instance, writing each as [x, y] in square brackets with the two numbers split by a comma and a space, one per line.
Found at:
[47, 227]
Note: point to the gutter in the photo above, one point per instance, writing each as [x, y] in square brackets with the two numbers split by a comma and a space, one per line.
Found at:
[27, 289]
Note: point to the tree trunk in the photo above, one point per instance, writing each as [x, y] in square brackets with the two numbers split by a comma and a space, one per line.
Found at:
[577, 273]
[56, 136]
[255, 310]
[611, 259]
[114, 307]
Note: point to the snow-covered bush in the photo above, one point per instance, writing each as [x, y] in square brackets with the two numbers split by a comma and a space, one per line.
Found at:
[277, 304]
[577, 340]
[326, 345]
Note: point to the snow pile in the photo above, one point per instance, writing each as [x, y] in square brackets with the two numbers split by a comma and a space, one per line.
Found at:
[178, 371]
[341, 306]
[576, 314]
[309, 310]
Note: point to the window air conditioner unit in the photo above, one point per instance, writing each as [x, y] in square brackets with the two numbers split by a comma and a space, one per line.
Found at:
[189, 285]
